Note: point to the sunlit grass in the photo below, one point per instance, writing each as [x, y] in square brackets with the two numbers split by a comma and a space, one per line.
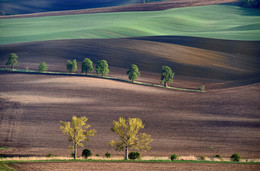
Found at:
[214, 21]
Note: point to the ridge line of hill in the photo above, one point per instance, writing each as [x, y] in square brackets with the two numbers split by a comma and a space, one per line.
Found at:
[155, 6]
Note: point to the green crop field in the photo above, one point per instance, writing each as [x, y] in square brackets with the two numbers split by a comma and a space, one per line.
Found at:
[214, 21]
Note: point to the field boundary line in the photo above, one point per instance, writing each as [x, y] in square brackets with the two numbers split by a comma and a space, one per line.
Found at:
[21, 71]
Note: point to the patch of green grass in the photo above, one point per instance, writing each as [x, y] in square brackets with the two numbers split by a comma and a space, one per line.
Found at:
[5, 167]
[4, 148]
[213, 21]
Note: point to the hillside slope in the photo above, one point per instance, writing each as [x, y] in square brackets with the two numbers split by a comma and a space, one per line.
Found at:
[190, 56]
[111, 6]
[216, 21]
[13, 7]
[222, 122]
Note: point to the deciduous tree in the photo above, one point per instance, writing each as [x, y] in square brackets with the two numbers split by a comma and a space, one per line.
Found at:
[87, 66]
[133, 72]
[167, 75]
[129, 136]
[12, 60]
[72, 66]
[77, 131]
[42, 67]
[102, 67]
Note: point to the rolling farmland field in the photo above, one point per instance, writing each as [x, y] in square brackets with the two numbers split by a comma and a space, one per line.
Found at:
[213, 45]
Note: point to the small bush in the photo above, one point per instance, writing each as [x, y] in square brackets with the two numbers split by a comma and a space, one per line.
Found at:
[202, 157]
[108, 155]
[86, 153]
[174, 157]
[49, 155]
[134, 155]
[218, 156]
[97, 155]
[202, 88]
[235, 157]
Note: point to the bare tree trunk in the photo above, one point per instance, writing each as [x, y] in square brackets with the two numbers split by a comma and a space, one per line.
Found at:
[75, 151]
[165, 84]
[126, 152]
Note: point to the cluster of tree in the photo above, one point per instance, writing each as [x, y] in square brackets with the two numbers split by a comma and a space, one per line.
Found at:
[101, 68]
[127, 130]
[250, 3]
[87, 66]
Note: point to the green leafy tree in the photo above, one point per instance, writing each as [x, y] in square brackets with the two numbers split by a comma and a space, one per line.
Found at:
[167, 75]
[77, 132]
[42, 67]
[102, 67]
[87, 66]
[133, 72]
[12, 60]
[72, 66]
[129, 136]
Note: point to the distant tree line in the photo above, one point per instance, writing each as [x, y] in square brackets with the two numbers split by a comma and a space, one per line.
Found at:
[250, 3]
[133, 73]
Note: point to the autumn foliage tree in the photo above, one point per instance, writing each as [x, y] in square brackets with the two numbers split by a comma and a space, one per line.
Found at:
[12, 60]
[129, 136]
[133, 72]
[166, 75]
[77, 131]
[87, 66]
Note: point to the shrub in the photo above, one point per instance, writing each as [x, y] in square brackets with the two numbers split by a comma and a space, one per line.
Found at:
[86, 153]
[235, 157]
[202, 157]
[49, 155]
[174, 157]
[97, 155]
[134, 155]
[108, 155]
[218, 156]
[202, 88]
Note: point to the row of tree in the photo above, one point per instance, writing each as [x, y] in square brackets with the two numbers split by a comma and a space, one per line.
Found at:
[133, 73]
[128, 131]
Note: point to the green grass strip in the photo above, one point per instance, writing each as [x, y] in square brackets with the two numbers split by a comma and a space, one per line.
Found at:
[97, 76]
[5, 167]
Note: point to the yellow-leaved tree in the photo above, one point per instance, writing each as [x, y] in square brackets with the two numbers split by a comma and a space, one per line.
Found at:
[129, 136]
[77, 132]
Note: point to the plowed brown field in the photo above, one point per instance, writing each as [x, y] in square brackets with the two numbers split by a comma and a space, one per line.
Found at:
[223, 121]
[134, 166]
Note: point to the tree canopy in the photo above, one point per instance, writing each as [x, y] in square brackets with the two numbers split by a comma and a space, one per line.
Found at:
[102, 67]
[71, 66]
[77, 132]
[250, 3]
[133, 72]
[129, 136]
[166, 75]
[42, 67]
[12, 60]
[87, 66]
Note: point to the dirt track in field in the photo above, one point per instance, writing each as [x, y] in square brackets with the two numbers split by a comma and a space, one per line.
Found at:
[139, 7]
[133, 166]
[223, 121]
